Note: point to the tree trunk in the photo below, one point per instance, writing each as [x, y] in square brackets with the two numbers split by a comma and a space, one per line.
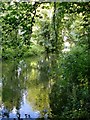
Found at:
[54, 27]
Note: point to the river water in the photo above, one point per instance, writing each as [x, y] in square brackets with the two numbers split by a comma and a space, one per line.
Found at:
[26, 84]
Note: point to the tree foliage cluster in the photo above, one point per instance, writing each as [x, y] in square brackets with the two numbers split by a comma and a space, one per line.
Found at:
[17, 20]
[70, 95]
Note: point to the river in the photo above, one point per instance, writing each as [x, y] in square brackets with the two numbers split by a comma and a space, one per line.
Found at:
[26, 86]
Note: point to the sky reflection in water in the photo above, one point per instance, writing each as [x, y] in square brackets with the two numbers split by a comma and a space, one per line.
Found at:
[26, 85]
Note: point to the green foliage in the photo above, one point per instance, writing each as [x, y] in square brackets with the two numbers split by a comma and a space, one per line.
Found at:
[70, 94]
[28, 30]
[17, 20]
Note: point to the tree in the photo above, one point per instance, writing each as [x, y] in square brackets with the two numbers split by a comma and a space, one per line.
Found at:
[74, 78]
[17, 22]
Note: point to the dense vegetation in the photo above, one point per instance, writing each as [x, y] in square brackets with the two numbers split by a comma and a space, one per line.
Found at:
[59, 28]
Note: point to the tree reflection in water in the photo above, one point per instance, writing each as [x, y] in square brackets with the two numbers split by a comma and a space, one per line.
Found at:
[27, 84]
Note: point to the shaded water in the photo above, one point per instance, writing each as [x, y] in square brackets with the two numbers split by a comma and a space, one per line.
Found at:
[26, 86]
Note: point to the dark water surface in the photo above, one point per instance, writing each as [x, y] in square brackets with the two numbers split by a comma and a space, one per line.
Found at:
[26, 87]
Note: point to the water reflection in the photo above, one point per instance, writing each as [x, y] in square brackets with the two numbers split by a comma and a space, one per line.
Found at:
[25, 110]
[26, 86]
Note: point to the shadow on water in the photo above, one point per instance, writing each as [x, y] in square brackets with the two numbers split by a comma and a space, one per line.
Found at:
[26, 87]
